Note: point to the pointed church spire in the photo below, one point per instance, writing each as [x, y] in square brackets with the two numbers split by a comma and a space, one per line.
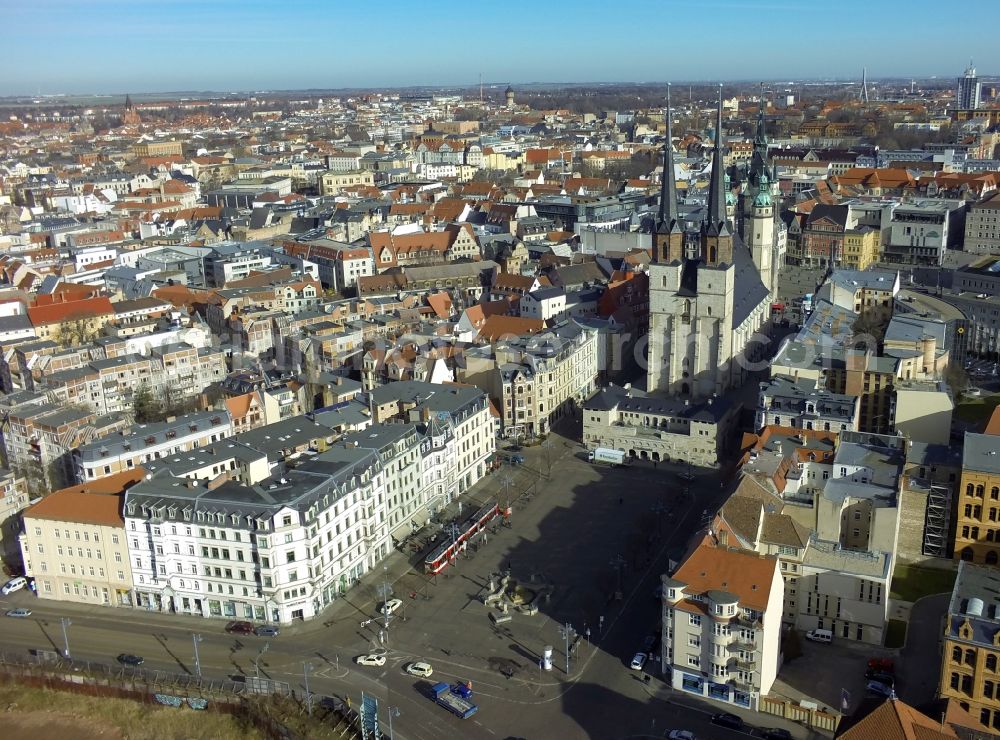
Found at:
[668, 218]
[761, 138]
[717, 223]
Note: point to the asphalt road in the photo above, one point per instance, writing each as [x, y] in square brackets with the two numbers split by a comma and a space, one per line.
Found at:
[579, 533]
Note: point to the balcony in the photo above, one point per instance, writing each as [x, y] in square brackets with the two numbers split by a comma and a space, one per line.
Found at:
[741, 644]
[750, 624]
[735, 662]
[740, 685]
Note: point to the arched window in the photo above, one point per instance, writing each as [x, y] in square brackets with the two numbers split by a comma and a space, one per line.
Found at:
[991, 662]
[970, 657]
[980, 490]
[956, 655]
[967, 554]
[969, 489]
[995, 493]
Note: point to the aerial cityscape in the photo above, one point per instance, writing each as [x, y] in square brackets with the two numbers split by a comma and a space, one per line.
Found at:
[515, 387]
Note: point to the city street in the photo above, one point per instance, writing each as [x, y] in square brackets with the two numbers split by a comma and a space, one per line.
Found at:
[580, 535]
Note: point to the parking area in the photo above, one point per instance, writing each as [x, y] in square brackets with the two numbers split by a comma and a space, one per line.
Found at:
[822, 671]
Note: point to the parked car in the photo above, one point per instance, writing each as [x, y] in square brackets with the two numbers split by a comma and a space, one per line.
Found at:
[725, 719]
[420, 669]
[821, 636]
[19, 613]
[239, 628]
[887, 678]
[266, 630]
[638, 661]
[375, 660]
[14, 584]
[390, 606]
[681, 735]
[883, 665]
[878, 688]
[777, 733]
[129, 659]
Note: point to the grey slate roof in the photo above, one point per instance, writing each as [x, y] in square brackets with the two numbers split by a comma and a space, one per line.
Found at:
[981, 453]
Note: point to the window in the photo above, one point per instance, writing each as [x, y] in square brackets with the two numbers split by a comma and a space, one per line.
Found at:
[695, 619]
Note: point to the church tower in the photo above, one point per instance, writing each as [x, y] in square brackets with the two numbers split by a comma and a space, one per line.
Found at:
[716, 235]
[759, 217]
[665, 269]
[668, 237]
[131, 115]
[760, 234]
[691, 299]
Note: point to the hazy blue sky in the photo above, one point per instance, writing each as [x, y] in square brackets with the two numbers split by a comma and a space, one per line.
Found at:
[114, 46]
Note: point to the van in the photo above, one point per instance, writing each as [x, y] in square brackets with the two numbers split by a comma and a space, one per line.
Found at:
[14, 584]
[500, 618]
[824, 636]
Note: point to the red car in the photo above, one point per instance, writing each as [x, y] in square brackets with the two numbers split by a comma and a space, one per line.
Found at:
[881, 665]
[239, 628]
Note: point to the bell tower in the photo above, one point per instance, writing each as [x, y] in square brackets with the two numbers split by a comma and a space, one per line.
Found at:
[668, 236]
[716, 235]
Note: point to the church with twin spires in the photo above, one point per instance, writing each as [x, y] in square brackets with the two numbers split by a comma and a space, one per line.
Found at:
[711, 290]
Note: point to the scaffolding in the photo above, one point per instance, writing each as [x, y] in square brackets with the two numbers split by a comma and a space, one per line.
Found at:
[936, 521]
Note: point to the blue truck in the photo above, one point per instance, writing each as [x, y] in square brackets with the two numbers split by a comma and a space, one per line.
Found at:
[452, 699]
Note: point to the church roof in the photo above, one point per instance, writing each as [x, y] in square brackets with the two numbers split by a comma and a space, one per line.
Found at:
[748, 289]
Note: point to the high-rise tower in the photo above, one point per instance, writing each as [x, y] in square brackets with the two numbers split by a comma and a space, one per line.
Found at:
[969, 89]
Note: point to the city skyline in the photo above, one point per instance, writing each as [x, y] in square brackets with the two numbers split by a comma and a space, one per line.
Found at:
[114, 47]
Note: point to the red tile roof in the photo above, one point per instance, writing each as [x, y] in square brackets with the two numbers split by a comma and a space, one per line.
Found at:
[58, 313]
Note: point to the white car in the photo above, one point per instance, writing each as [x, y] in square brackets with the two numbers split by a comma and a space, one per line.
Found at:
[375, 660]
[638, 661]
[419, 669]
[681, 735]
[390, 606]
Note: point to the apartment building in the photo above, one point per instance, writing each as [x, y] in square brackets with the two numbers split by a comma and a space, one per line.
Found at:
[659, 429]
[829, 510]
[148, 442]
[545, 377]
[982, 226]
[397, 447]
[800, 404]
[722, 625]
[459, 434]
[74, 543]
[970, 671]
[277, 551]
[13, 500]
[977, 510]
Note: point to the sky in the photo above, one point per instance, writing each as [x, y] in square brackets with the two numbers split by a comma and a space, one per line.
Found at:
[118, 46]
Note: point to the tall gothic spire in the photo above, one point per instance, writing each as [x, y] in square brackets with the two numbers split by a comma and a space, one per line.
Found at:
[761, 138]
[668, 220]
[717, 224]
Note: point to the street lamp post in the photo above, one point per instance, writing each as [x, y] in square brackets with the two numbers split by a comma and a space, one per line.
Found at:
[306, 667]
[195, 639]
[385, 602]
[393, 712]
[567, 633]
[260, 654]
[66, 623]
